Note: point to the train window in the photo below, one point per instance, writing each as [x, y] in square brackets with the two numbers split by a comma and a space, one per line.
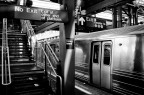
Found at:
[107, 54]
[96, 53]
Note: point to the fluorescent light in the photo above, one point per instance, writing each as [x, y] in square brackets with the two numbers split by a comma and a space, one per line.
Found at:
[104, 15]
[46, 4]
[47, 34]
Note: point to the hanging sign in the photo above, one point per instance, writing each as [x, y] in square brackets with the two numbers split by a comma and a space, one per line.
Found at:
[33, 13]
[90, 24]
[81, 20]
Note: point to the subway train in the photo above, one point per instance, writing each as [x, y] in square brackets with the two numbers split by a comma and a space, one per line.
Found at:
[111, 59]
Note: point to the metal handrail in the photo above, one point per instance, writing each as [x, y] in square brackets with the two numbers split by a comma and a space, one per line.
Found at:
[8, 57]
[5, 46]
[32, 33]
[52, 68]
[52, 51]
[52, 55]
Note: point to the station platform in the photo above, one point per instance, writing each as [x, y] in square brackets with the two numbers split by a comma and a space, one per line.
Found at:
[82, 88]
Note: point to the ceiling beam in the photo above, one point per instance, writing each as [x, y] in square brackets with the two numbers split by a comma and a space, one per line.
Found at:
[105, 4]
[46, 26]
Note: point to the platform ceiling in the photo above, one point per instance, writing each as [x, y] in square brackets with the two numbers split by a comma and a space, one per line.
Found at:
[94, 6]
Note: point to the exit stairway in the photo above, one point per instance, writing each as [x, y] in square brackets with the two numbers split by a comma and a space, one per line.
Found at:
[27, 78]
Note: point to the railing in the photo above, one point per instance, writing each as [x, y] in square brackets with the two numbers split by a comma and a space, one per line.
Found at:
[6, 72]
[52, 52]
[50, 64]
[27, 28]
[44, 57]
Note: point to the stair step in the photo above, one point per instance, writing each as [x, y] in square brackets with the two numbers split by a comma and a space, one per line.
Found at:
[19, 57]
[19, 50]
[21, 64]
[32, 92]
[19, 53]
[14, 33]
[26, 73]
[24, 70]
[15, 39]
[18, 61]
[28, 86]
[19, 47]
[27, 78]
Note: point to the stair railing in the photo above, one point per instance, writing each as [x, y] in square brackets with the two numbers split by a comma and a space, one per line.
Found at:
[30, 32]
[53, 53]
[50, 65]
[6, 72]
[27, 28]
[54, 58]
[53, 68]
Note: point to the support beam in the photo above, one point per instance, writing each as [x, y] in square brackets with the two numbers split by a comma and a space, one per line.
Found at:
[119, 16]
[114, 16]
[129, 16]
[67, 55]
[135, 16]
[46, 26]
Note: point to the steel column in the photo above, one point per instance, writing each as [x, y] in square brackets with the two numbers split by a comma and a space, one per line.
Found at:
[119, 16]
[114, 16]
[67, 57]
[135, 16]
[129, 16]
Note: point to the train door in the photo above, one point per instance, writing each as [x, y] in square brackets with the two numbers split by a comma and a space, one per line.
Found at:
[101, 64]
[96, 56]
[106, 64]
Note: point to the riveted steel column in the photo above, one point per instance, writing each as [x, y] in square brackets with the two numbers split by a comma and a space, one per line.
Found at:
[114, 16]
[67, 57]
[135, 16]
[119, 16]
[129, 16]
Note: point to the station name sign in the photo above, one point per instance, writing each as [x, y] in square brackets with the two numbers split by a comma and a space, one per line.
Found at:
[33, 13]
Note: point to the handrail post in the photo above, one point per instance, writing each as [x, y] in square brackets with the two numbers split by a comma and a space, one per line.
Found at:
[6, 72]
[59, 81]
[45, 61]
[36, 53]
[58, 70]
[59, 89]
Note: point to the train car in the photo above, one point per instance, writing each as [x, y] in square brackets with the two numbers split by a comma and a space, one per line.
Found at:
[112, 59]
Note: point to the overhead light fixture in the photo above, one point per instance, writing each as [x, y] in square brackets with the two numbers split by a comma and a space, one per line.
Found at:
[104, 15]
[46, 4]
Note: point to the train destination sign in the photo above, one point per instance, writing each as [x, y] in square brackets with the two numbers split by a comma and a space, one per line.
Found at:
[33, 13]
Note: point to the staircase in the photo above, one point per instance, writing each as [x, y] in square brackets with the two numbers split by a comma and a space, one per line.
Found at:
[27, 78]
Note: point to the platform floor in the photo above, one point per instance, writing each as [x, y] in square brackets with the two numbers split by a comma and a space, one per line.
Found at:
[84, 89]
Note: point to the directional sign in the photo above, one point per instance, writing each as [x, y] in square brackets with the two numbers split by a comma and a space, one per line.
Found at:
[90, 24]
[33, 13]
[82, 20]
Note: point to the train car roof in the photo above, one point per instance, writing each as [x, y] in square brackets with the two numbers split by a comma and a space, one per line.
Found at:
[137, 29]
